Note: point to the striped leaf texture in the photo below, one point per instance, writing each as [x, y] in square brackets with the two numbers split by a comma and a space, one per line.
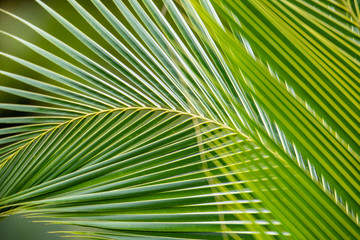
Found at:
[188, 119]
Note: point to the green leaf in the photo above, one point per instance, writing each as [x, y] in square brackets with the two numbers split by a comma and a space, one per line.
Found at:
[217, 120]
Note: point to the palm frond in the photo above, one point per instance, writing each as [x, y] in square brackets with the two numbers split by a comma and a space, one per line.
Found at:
[214, 120]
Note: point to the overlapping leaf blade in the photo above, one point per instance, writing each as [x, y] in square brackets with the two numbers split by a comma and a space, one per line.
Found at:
[141, 165]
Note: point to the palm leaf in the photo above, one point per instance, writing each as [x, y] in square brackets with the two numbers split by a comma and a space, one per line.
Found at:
[218, 120]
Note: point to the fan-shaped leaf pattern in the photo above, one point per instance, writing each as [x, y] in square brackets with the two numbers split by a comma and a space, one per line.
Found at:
[210, 120]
